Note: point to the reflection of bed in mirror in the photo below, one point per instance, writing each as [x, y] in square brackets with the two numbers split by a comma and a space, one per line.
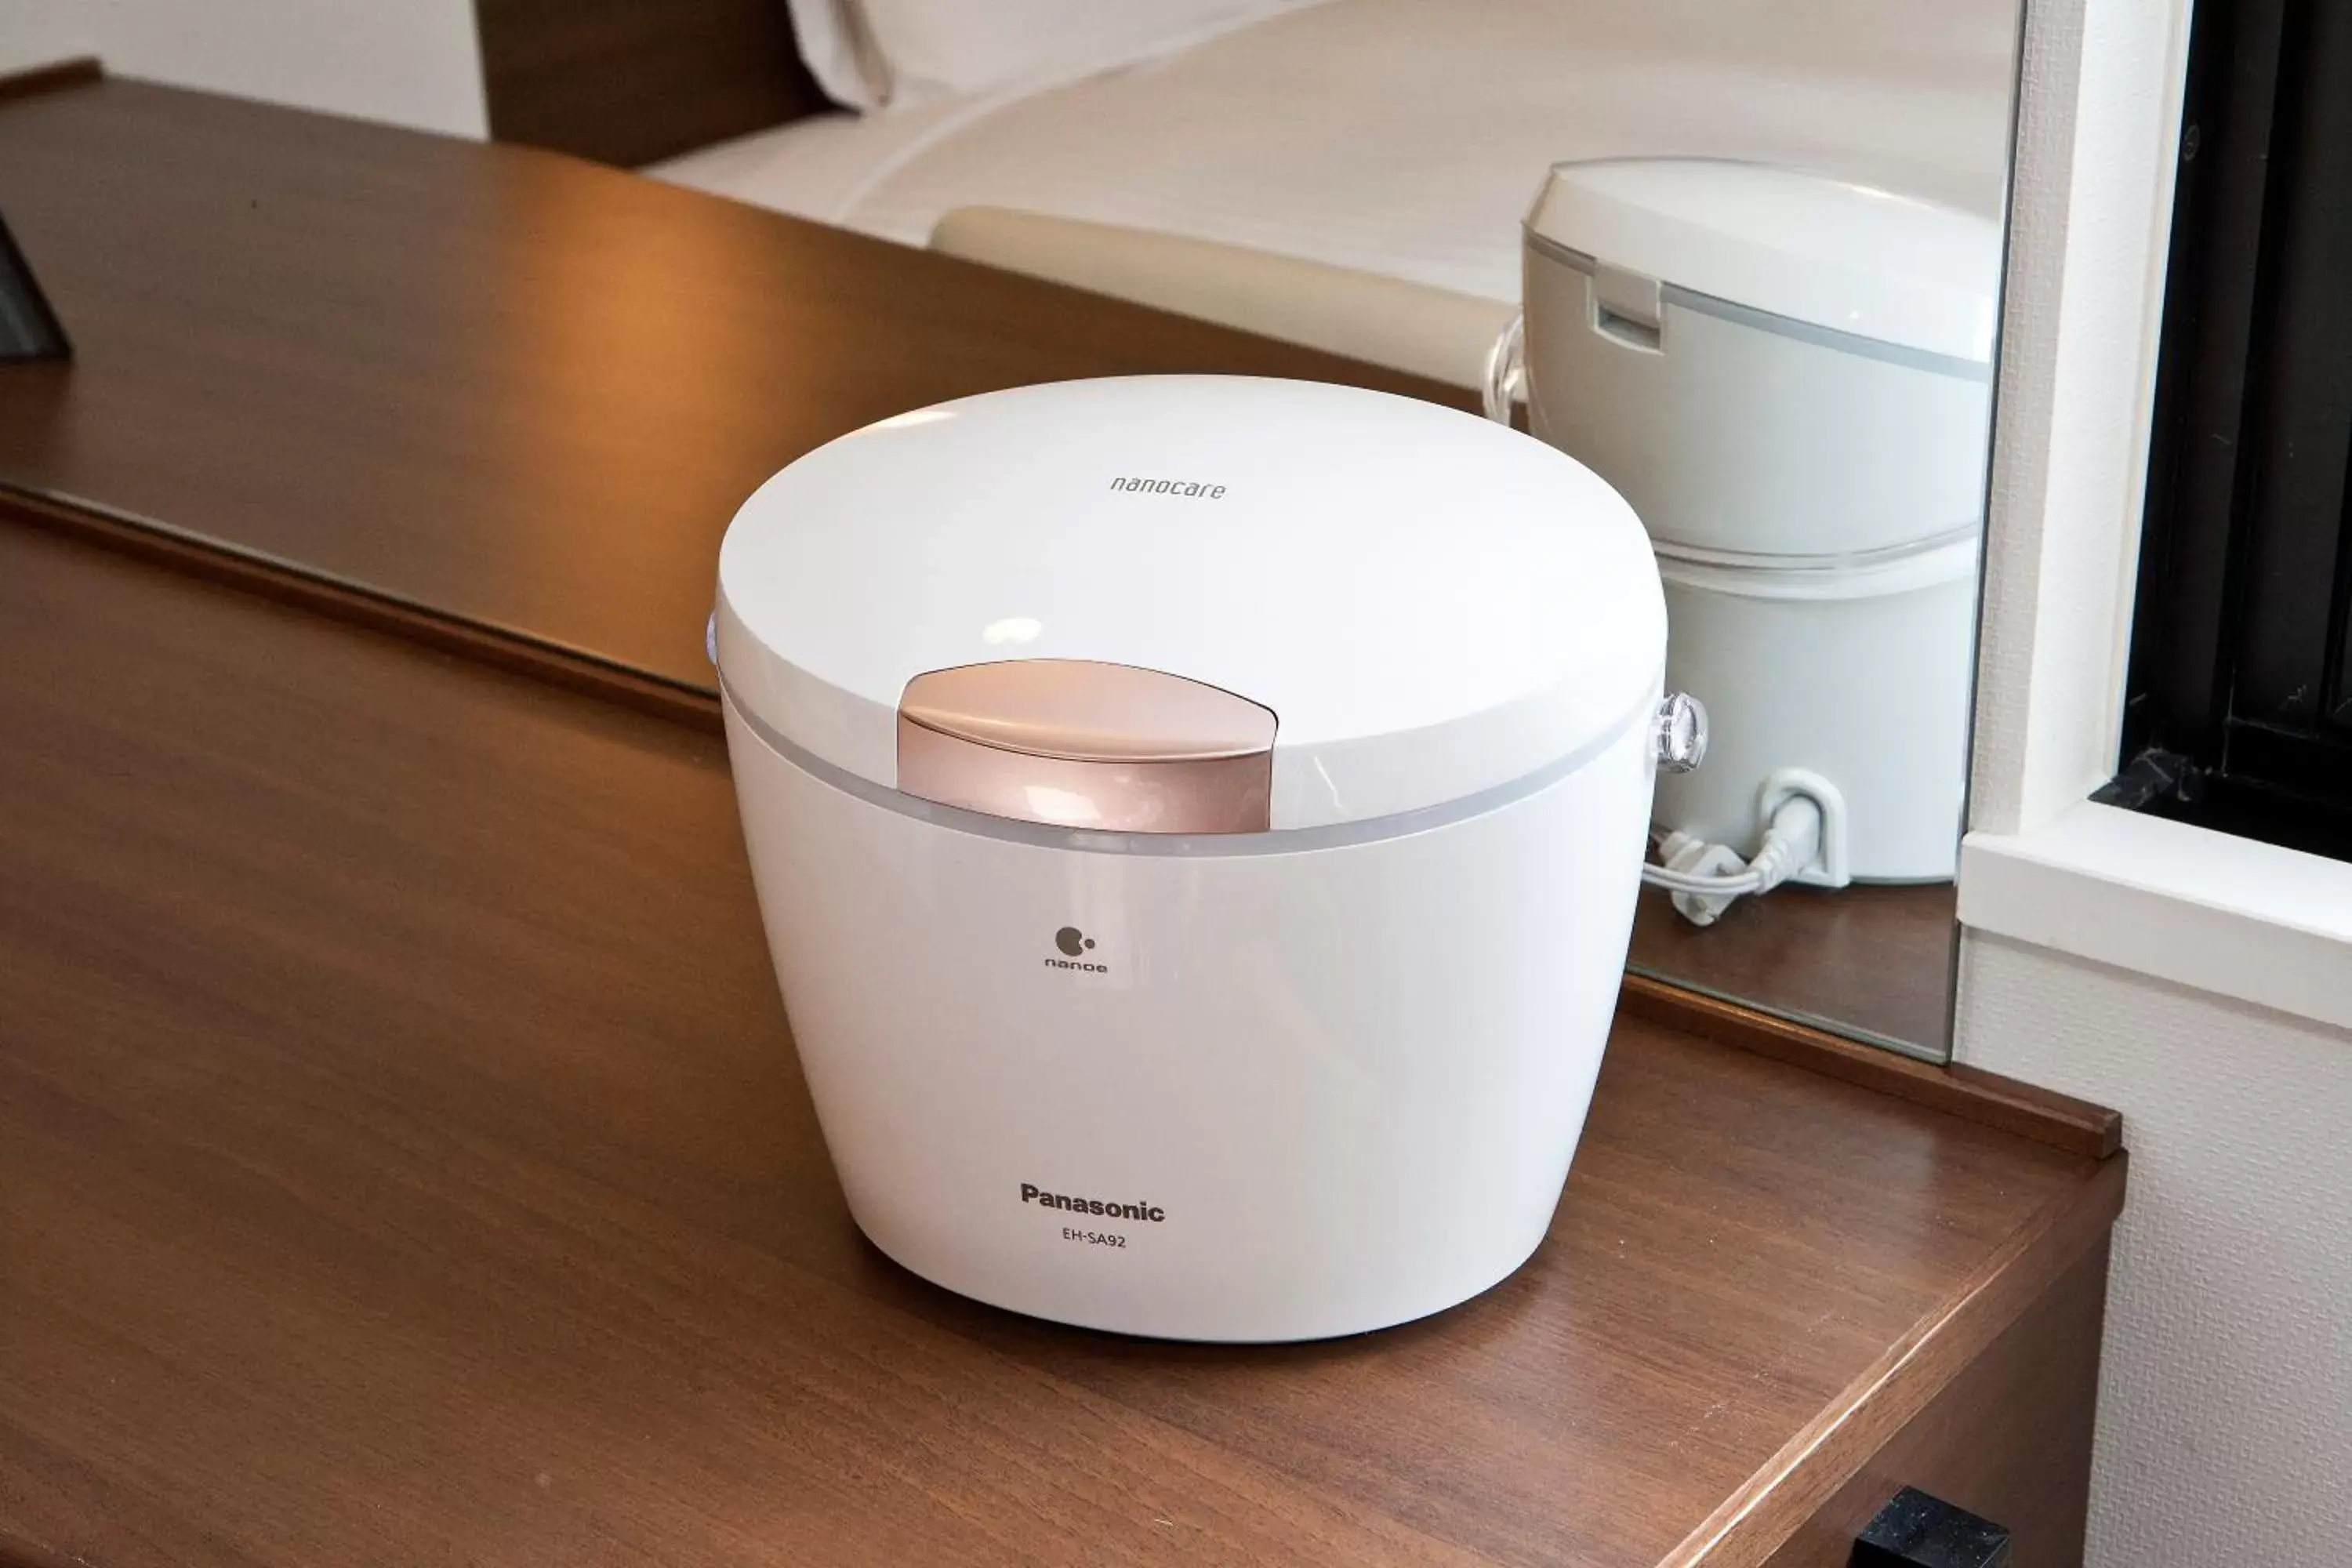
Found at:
[1353, 174]
[1397, 140]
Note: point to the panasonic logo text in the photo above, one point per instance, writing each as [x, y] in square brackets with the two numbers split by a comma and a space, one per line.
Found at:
[1045, 1200]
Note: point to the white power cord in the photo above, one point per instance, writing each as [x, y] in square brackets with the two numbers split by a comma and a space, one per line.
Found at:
[1704, 878]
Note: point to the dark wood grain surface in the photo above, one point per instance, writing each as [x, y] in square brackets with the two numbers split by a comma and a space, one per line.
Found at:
[625, 82]
[1871, 960]
[516, 388]
[403, 1158]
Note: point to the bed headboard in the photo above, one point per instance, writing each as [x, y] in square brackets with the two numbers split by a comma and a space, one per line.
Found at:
[628, 81]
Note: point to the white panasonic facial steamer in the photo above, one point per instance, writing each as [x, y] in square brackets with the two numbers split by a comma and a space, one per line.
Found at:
[1197, 822]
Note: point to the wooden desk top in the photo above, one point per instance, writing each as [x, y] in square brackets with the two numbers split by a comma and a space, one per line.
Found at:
[403, 1158]
[518, 390]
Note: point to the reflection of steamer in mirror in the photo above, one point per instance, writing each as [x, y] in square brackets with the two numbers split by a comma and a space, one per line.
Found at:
[1790, 378]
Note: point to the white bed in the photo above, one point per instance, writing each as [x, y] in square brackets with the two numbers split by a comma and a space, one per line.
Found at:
[1404, 138]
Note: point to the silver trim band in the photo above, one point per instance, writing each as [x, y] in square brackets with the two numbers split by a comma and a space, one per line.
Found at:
[1200, 845]
[1779, 326]
[1753, 560]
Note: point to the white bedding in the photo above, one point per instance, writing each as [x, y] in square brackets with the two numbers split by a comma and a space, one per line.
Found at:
[1406, 137]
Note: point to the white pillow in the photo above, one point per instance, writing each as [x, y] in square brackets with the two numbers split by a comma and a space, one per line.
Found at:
[839, 52]
[934, 46]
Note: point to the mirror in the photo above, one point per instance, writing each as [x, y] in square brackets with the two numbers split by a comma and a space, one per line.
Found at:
[1757, 246]
[1759, 268]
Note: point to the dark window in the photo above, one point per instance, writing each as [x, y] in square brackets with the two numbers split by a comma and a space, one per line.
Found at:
[2239, 710]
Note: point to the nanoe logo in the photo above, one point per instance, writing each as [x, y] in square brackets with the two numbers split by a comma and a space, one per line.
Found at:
[1030, 1194]
[1075, 944]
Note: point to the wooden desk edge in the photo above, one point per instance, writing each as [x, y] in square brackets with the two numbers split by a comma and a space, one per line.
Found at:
[80, 70]
[1830, 1449]
[2043, 1115]
[20, 1551]
[215, 561]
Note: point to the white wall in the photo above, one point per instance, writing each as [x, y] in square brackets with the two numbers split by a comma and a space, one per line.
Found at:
[2225, 1419]
[41, 32]
[411, 62]
[2225, 1407]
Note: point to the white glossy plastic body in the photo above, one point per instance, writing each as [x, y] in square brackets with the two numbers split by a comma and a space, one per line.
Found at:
[1805, 248]
[1861, 675]
[1751, 439]
[1431, 604]
[1346, 1067]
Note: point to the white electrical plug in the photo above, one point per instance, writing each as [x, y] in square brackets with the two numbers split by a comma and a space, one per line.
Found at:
[1804, 840]
[1828, 866]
